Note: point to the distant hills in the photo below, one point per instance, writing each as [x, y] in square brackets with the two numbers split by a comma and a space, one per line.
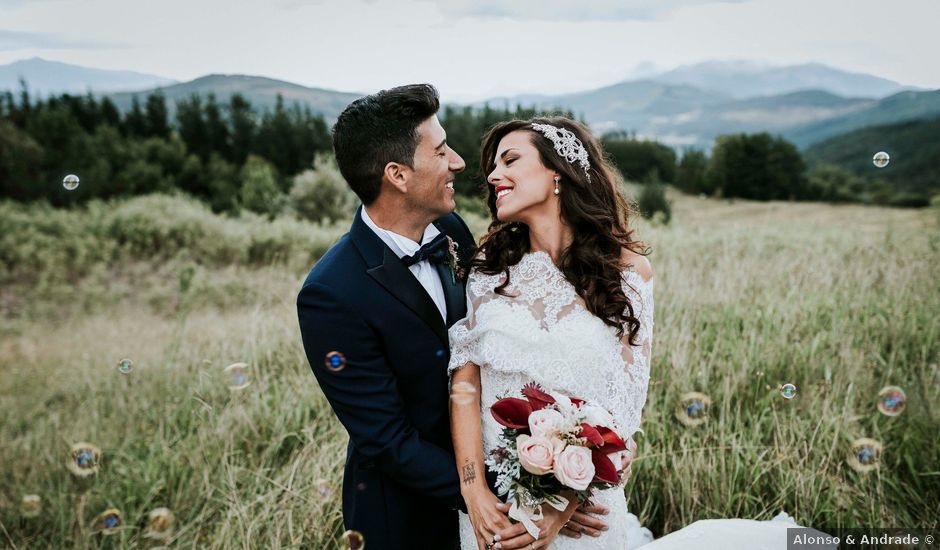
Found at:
[684, 116]
[913, 145]
[45, 77]
[687, 106]
[903, 106]
[261, 91]
[743, 79]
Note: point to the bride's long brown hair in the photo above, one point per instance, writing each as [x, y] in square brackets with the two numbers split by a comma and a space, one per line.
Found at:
[596, 211]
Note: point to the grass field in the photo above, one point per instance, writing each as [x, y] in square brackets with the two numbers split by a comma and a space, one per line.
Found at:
[749, 296]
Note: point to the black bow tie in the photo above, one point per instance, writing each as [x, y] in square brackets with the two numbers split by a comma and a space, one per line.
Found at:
[435, 252]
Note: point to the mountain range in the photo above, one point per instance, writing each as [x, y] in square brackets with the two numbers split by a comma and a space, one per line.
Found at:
[44, 77]
[683, 107]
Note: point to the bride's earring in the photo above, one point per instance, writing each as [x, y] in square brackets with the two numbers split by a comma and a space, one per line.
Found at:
[557, 179]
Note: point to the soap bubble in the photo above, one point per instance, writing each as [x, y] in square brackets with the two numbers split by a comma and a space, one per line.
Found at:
[891, 401]
[788, 391]
[125, 365]
[692, 408]
[881, 159]
[30, 506]
[70, 182]
[335, 361]
[323, 487]
[159, 524]
[352, 540]
[237, 376]
[463, 393]
[108, 522]
[865, 455]
[83, 459]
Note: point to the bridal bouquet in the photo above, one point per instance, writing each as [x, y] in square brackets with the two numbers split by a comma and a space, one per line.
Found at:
[551, 443]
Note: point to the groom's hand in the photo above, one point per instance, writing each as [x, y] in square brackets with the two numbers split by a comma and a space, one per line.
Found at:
[583, 524]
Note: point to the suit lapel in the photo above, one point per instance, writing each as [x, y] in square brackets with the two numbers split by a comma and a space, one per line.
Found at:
[401, 283]
[455, 296]
[388, 270]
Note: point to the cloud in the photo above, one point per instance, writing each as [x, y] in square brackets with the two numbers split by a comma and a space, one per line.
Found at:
[571, 10]
[17, 3]
[16, 40]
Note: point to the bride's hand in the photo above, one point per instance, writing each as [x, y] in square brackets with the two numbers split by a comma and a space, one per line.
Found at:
[623, 461]
[486, 518]
[549, 526]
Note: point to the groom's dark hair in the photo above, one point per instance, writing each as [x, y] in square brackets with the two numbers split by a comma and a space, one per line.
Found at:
[381, 128]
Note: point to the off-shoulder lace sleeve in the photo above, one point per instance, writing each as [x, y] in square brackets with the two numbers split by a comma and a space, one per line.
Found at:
[464, 335]
[629, 392]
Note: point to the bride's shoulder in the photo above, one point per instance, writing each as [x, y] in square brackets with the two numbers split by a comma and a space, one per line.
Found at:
[638, 263]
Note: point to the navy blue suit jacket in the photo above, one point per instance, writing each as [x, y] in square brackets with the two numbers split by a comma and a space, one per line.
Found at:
[400, 485]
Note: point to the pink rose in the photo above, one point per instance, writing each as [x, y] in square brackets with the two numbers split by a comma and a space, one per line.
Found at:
[545, 422]
[574, 467]
[537, 454]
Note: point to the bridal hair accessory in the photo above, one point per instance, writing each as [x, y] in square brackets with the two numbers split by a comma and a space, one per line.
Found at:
[567, 145]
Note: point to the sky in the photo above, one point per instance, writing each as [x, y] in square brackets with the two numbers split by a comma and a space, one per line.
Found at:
[472, 49]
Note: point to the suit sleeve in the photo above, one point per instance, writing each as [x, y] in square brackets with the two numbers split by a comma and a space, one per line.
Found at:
[365, 397]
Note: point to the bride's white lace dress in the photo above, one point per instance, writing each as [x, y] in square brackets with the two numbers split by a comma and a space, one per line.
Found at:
[546, 334]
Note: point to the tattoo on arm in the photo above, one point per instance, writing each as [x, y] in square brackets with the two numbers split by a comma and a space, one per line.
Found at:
[469, 475]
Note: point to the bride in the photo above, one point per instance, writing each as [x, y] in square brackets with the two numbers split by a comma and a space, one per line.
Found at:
[560, 294]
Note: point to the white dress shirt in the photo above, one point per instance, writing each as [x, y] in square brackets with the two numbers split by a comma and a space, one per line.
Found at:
[423, 270]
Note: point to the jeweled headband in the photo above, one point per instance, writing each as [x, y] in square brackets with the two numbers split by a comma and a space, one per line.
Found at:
[567, 145]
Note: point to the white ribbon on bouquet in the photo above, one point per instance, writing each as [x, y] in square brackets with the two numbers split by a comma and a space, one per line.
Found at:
[528, 515]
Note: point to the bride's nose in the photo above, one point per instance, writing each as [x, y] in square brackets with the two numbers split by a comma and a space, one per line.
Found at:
[494, 177]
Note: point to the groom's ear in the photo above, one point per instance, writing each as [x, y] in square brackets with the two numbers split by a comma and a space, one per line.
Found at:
[397, 176]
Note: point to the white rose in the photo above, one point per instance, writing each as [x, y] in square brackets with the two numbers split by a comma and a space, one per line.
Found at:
[545, 422]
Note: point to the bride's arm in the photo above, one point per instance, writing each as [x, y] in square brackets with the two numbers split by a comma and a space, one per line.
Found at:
[467, 434]
[465, 428]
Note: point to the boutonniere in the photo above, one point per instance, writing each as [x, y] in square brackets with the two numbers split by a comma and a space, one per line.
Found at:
[456, 272]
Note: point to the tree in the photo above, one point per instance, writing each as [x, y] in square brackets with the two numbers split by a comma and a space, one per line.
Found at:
[833, 183]
[637, 159]
[259, 187]
[19, 163]
[243, 127]
[217, 134]
[275, 139]
[109, 113]
[135, 122]
[222, 180]
[690, 174]
[157, 122]
[757, 166]
[192, 126]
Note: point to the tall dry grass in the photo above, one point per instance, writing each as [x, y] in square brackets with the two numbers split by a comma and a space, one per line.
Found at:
[748, 296]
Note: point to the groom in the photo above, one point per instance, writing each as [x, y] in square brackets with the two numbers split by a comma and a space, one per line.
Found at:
[374, 314]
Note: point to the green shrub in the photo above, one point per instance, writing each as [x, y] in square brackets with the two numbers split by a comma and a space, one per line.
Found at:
[40, 243]
[321, 194]
[653, 200]
[160, 226]
[259, 191]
